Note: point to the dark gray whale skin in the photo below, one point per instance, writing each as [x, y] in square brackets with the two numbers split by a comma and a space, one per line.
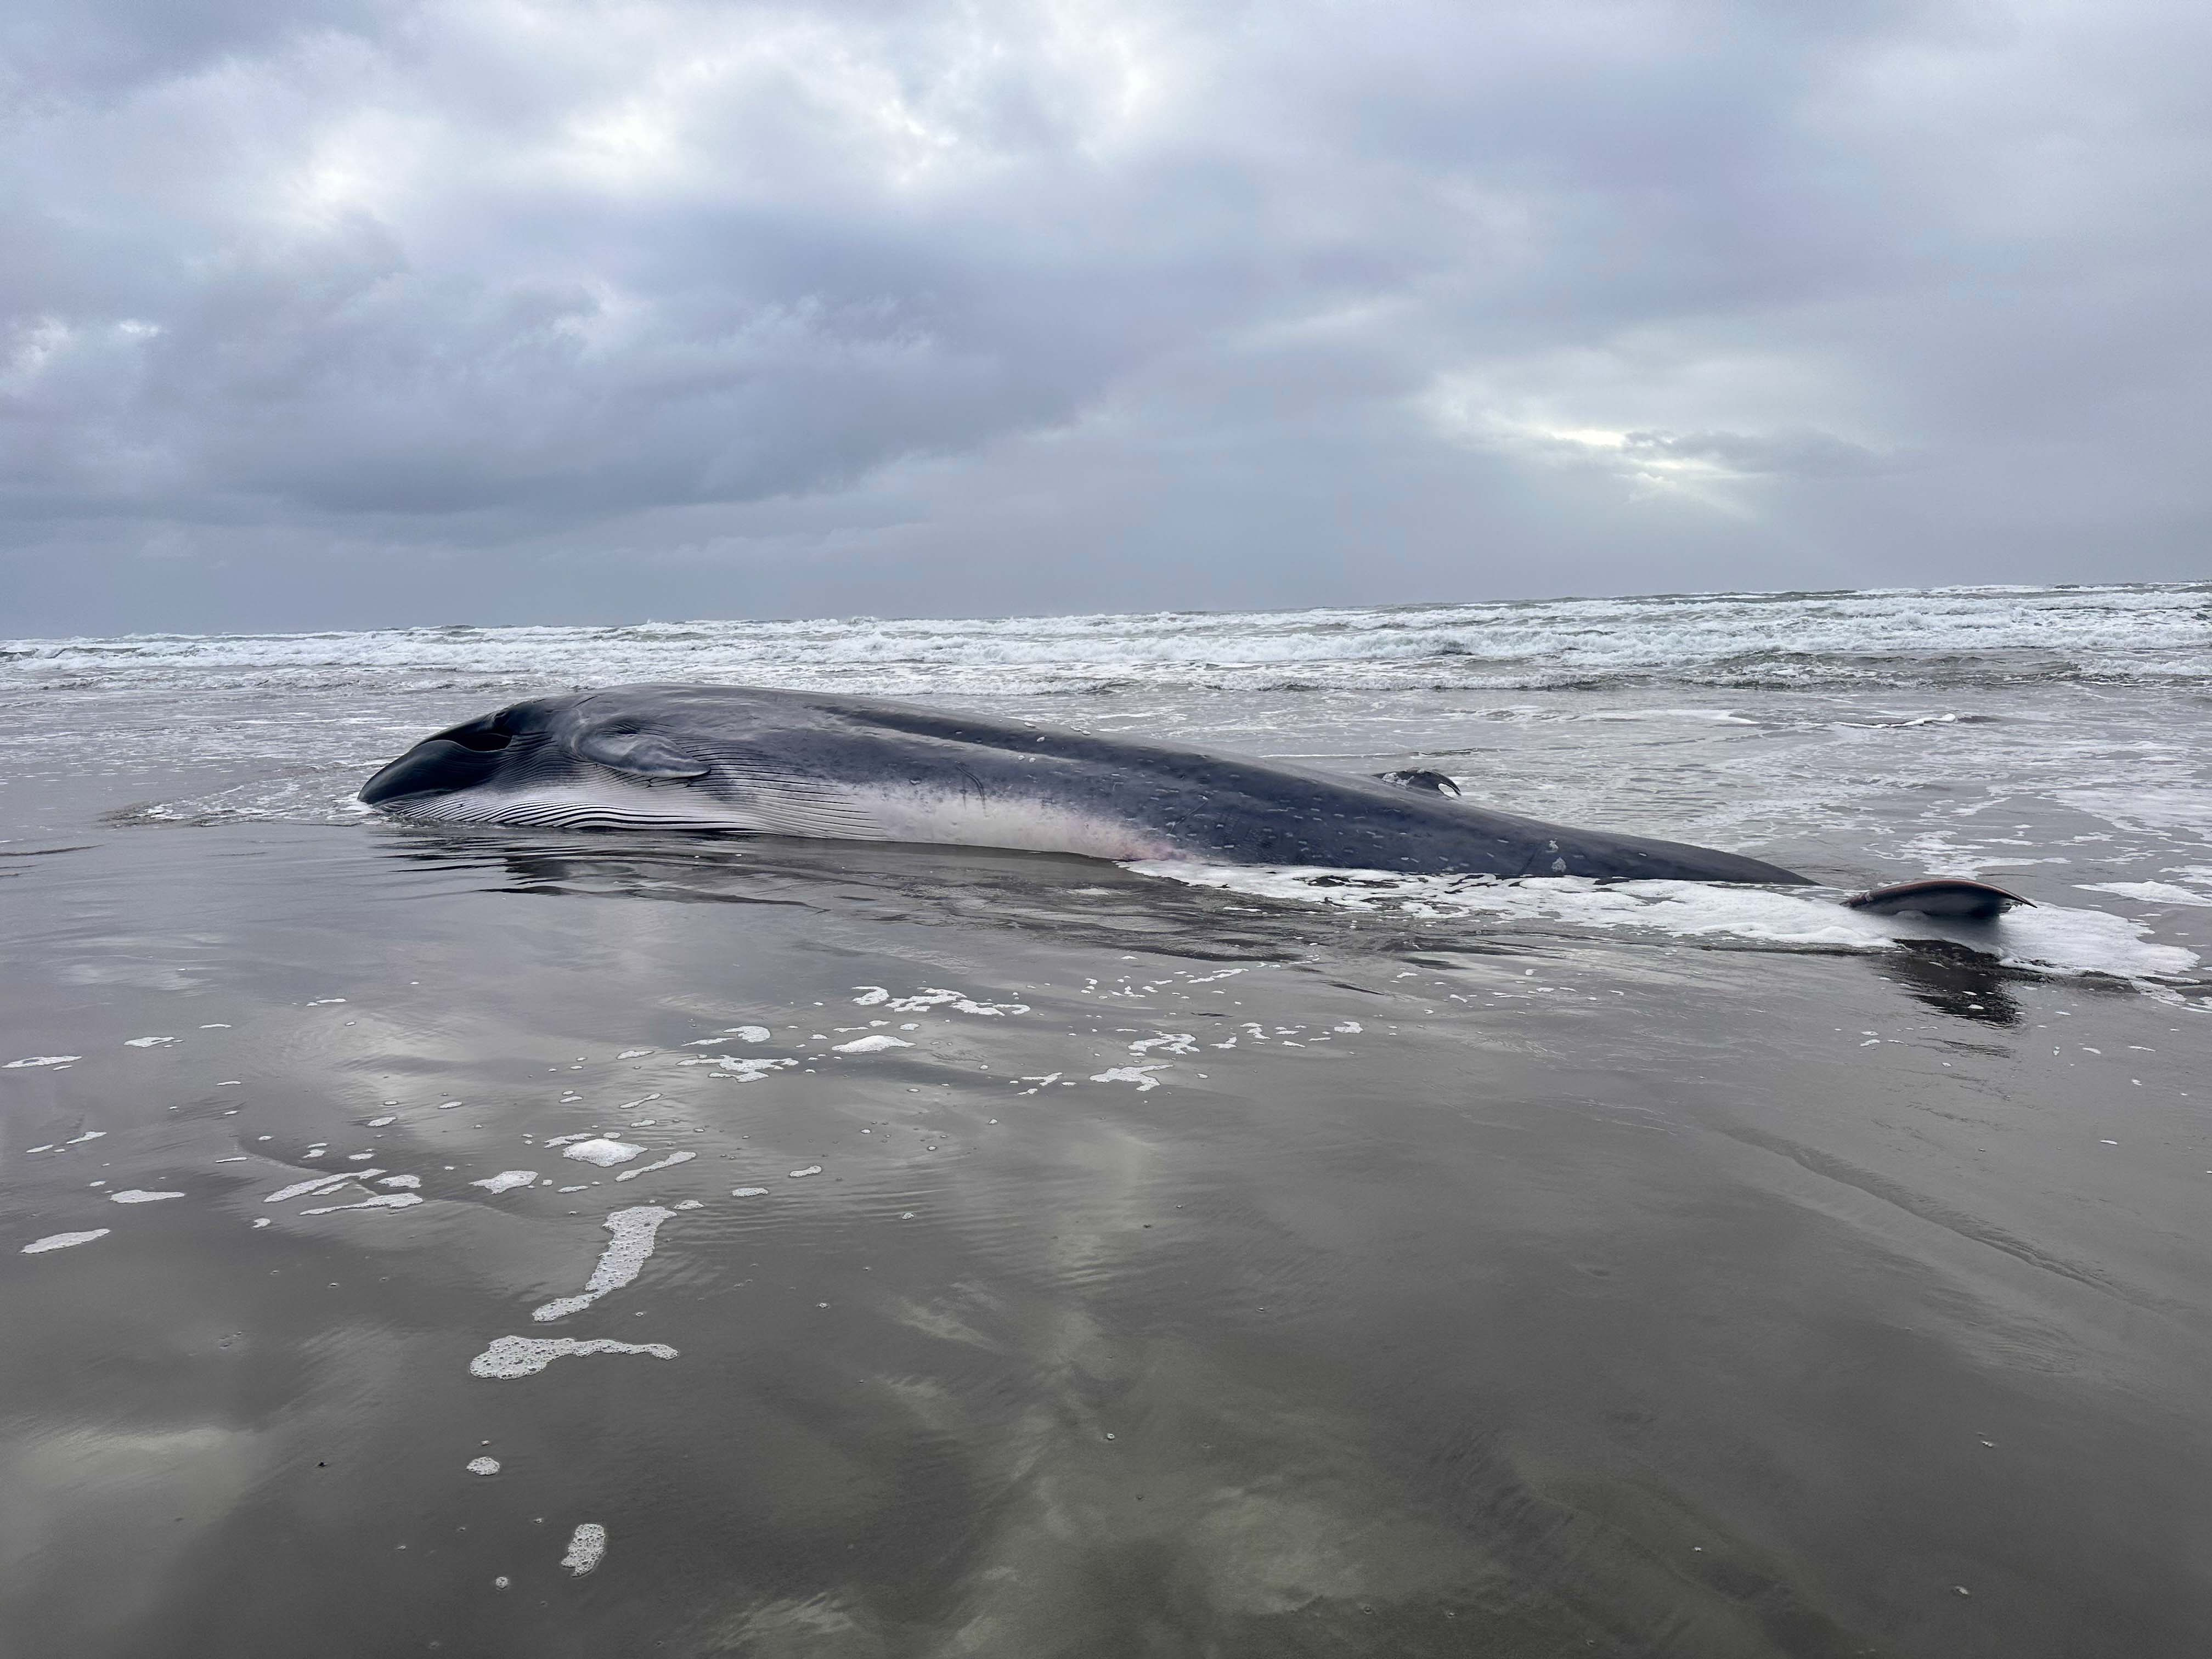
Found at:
[794, 763]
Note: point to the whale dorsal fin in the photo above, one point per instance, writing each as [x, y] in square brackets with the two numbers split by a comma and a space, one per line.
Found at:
[1421, 779]
[641, 754]
[1939, 896]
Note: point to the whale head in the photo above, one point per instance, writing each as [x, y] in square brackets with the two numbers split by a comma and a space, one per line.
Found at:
[460, 758]
[492, 768]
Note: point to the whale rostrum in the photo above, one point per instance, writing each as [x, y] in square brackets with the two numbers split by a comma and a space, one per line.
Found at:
[814, 764]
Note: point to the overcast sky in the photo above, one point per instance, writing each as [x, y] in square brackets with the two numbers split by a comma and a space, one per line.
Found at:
[339, 312]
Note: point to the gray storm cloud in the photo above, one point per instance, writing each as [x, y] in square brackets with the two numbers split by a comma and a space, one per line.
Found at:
[355, 312]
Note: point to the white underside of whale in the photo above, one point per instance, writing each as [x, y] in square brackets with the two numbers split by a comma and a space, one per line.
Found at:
[895, 813]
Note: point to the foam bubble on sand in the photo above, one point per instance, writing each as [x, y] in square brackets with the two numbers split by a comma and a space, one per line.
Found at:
[63, 1241]
[2087, 942]
[748, 1033]
[587, 1548]
[139, 1196]
[41, 1060]
[483, 1466]
[506, 1179]
[320, 1184]
[378, 1122]
[525, 1356]
[745, 1068]
[150, 1043]
[934, 996]
[872, 1045]
[382, 1201]
[811, 1170]
[748, 1192]
[1140, 1075]
[672, 1159]
[2048, 938]
[258, 1221]
[632, 1053]
[2151, 892]
[602, 1152]
[399, 1181]
[89, 1135]
[620, 1263]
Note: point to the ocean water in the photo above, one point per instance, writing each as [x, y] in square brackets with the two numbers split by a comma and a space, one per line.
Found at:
[849, 1249]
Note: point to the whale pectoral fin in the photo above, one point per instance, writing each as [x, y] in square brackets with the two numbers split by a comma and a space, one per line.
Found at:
[1939, 896]
[641, 754]
[1418, 779]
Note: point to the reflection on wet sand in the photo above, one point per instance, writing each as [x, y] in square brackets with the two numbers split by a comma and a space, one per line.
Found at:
[1442, 1287]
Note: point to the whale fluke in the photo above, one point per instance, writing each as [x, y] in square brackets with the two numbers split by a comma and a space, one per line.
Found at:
[1939, 896]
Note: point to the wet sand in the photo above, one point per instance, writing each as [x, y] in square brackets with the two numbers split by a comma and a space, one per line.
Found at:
[1496, 1293]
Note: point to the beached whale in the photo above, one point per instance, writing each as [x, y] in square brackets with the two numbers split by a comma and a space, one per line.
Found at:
[807, 764]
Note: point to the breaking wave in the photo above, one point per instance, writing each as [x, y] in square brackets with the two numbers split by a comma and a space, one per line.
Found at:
[1933, 638]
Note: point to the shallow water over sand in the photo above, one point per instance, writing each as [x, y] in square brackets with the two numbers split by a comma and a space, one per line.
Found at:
[1069, 1261]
